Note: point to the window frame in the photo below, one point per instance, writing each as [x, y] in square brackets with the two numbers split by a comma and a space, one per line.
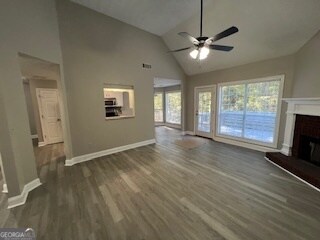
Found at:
[163, 106]
[274, 144]
[166, 105]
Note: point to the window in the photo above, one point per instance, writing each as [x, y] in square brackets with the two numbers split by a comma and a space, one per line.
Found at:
[118, 101]
[173, 107]
[158, 107]
[250, 110]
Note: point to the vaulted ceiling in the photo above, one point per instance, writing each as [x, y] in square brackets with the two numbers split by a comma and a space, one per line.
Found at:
[268, 29]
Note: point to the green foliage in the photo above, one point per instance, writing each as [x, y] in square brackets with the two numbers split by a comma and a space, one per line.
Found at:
[173, 101]
[204, 102]
[261, 97]
[158, 101]
[233, 98]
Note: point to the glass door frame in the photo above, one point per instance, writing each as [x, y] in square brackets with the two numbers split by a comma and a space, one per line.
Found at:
[197, 90]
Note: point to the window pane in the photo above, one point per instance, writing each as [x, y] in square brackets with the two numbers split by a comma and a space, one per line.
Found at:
[173, 107]
[158, 107]
[204, 112]
[262, 102]
[231, 110]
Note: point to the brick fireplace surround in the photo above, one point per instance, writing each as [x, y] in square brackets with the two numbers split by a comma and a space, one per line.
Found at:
[302, 129]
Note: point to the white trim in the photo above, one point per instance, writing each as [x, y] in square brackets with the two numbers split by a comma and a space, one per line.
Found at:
[302, 106]
[253, 80]
[206, 86]
[188, 133]
[303, 100]
[34, 136]
[309, 184]
[273, 145]
[244, 144]
[21, 199]
[41, 144]
[172, 125]
[90, 156]
[286, 149]
[213, 89]
[4, 188]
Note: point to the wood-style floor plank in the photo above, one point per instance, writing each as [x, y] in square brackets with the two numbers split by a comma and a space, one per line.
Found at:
[167, 191]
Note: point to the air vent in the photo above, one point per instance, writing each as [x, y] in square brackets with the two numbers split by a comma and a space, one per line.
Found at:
[144, 65]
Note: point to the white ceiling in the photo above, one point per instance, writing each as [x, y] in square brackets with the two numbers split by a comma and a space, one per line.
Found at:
[155, 16]
[268, 29]
[38, 69]
[162, 82]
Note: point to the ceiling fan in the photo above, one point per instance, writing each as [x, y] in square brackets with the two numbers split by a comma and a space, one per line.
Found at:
[203, 44]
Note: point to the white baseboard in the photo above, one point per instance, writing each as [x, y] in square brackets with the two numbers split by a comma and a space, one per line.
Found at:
[188, 133]
[34, 136]
[245, 145]
[171, 125]
[90, 156]
[21, 199]
[41, 144]
[4, 188]
[310, 185]
[286, 150]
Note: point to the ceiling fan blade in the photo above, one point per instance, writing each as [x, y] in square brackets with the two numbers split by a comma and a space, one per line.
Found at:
[188, 36]
[221, 48]
[225, 33]
[179, 50]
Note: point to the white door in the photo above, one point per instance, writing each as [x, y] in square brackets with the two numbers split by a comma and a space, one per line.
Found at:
[50, 115]
[204, 110]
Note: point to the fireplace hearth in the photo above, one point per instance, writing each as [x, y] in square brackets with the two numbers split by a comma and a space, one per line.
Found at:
[300, 153]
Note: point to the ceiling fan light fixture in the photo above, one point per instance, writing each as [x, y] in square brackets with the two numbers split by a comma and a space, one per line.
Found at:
[194, 54]
[204, 52]
[203, 44]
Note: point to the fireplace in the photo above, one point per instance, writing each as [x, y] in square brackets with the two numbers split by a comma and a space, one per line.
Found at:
[300, 153]
[306, 140]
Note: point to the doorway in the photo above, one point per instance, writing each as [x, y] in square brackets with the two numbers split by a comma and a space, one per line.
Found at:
[168, 103]
[205, 100]
[42, 87]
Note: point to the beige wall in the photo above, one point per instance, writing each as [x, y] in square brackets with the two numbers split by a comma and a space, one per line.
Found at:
[9, 165]
[283, 65]
[29, 27]
[307, 70]
[32, 121]
[96, 50]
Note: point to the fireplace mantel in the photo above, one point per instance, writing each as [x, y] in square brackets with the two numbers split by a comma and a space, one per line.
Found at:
[302, 106]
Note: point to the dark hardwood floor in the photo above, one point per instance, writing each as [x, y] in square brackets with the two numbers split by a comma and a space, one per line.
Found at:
[167, 191]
